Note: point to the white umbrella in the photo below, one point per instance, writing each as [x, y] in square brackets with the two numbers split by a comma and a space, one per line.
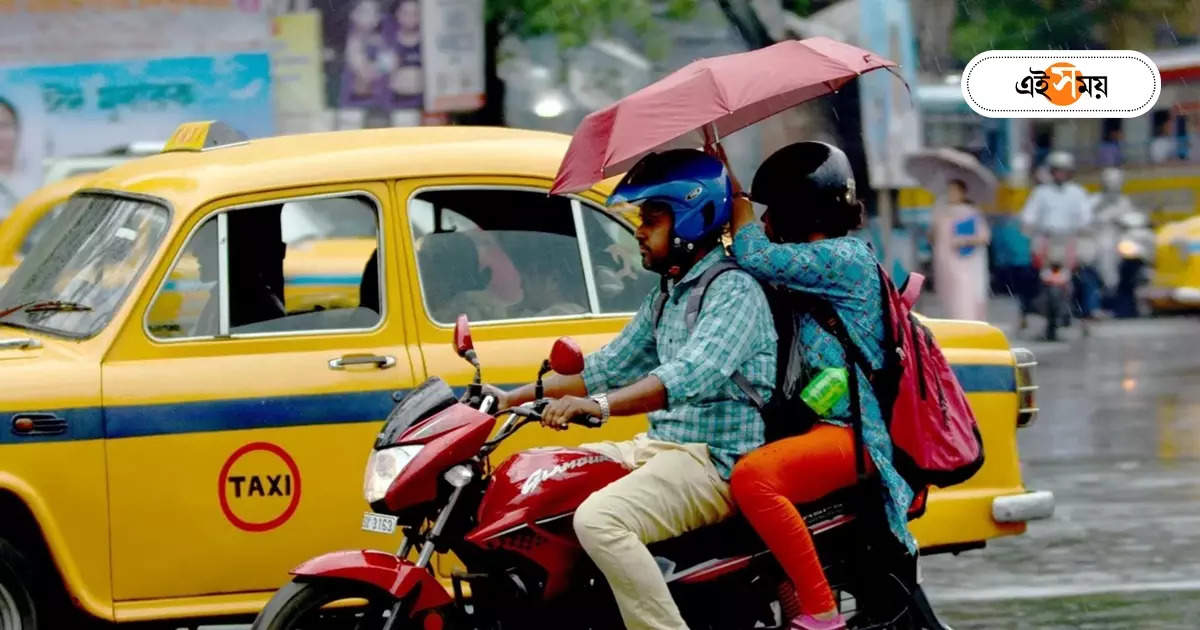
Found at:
[935, 168]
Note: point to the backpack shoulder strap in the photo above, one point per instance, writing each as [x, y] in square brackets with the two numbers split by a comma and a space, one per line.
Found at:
[911, 289]
[695, 302]
[660, 302]
[743, 384]
[827, 317]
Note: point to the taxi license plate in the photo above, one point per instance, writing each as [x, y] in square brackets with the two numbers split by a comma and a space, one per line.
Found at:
[379, 523]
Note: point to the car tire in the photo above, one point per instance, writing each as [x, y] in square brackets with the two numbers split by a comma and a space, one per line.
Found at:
[17, 611]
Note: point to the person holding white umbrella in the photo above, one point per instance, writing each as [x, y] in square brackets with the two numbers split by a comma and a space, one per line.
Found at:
[960, 236]
[958, 231]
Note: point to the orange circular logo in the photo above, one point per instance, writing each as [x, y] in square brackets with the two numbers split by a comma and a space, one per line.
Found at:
[1062, 88]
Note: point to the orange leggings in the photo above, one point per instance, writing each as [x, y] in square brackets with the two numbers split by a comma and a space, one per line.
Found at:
[768, 483]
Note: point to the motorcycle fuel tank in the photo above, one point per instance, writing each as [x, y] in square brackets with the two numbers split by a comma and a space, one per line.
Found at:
[529, 503]
[541, 484]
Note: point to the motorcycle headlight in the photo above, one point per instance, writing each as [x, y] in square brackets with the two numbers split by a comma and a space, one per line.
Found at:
[383, 467]
[1128, 248]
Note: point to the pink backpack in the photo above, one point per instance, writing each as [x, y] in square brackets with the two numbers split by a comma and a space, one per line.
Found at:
[933, 429]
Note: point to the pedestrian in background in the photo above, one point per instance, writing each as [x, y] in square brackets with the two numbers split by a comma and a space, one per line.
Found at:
[1162, 147]
[960, 236]
[1110, 153]
[1012, 261]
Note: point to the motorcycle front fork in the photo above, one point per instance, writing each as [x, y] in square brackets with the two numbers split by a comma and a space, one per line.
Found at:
[427, 550]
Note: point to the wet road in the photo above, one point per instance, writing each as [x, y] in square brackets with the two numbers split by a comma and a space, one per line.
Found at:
[1118, 442]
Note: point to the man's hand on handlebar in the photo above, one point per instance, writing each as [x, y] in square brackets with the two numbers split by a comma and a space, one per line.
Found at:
[560, 411]
[501, 396]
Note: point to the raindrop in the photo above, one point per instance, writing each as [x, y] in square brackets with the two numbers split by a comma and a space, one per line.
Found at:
[836, 118]
[1170, 30]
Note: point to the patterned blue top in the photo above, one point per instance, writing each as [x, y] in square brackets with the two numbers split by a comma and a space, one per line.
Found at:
[733, 332]
[842, 271]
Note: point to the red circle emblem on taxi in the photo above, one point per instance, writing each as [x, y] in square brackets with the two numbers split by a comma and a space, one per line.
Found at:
[259, 487]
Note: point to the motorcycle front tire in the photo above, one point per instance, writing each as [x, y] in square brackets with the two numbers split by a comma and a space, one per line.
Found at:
[299, 605]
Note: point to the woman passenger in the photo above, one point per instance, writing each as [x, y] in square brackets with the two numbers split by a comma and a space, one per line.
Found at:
[804, 244]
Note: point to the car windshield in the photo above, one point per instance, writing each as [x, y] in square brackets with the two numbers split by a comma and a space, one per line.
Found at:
[77, 276]
[40, 228]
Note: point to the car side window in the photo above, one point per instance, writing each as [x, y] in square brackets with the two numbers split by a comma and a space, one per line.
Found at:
[621, 282]
[497, 254]
[301, 265]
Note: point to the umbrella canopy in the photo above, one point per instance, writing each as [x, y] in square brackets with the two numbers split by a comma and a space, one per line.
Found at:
[707, 100]
[935, 168]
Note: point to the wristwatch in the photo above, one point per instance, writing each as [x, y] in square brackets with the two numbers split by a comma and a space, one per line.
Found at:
[602, 400]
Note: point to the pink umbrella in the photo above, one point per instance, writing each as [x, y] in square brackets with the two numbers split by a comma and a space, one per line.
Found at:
[707, 100]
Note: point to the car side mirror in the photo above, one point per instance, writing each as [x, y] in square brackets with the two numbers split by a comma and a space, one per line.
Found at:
[566, 358]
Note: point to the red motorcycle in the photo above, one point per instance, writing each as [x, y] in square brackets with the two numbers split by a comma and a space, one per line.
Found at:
[429, 474]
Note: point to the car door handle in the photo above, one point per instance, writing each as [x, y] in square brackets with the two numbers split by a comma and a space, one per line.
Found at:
[380, 361]
[34, 424]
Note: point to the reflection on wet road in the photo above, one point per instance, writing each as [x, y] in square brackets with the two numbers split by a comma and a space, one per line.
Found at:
[1118, 442]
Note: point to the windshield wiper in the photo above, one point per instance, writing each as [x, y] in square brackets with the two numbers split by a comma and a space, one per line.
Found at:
[37, 306]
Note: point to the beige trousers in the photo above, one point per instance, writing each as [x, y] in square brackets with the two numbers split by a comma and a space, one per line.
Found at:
[673, 489]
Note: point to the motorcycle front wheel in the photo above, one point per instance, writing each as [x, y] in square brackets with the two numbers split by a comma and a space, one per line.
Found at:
[330, 605]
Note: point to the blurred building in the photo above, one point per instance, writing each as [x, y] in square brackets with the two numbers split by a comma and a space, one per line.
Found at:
[553, 89]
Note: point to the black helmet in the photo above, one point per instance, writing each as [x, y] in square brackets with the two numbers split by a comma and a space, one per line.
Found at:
[808, 187]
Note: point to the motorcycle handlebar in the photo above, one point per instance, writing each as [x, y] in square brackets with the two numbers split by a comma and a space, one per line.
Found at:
[585, 420]
[532, 413]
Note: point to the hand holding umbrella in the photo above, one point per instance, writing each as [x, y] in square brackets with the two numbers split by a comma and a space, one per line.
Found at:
[743, 209]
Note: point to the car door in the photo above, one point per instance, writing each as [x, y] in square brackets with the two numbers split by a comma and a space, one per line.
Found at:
[241, 407]
[526, 268]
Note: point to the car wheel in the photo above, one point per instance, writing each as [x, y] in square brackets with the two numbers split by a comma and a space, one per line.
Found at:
[16, 601]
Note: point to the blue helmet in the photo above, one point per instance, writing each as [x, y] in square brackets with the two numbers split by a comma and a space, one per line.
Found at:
[692, 183]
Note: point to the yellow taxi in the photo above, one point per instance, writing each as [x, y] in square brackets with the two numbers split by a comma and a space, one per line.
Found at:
[1175, 282]
[161, 468]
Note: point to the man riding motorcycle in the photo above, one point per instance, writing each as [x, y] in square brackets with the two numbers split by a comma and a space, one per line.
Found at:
[696, 385]
[1058, 215]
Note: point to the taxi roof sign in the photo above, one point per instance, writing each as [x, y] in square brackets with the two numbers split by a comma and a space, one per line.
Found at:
[203, 135]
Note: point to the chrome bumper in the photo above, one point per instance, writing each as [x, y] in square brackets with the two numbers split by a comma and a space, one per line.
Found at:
[1020, 508]
[1186, 295]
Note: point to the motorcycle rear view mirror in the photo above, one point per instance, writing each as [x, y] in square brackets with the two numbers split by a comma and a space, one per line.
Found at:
[566, 358]
[465, 348]
[463, 344]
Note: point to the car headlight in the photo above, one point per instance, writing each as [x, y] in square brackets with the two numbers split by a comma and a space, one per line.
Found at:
[383, 467]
